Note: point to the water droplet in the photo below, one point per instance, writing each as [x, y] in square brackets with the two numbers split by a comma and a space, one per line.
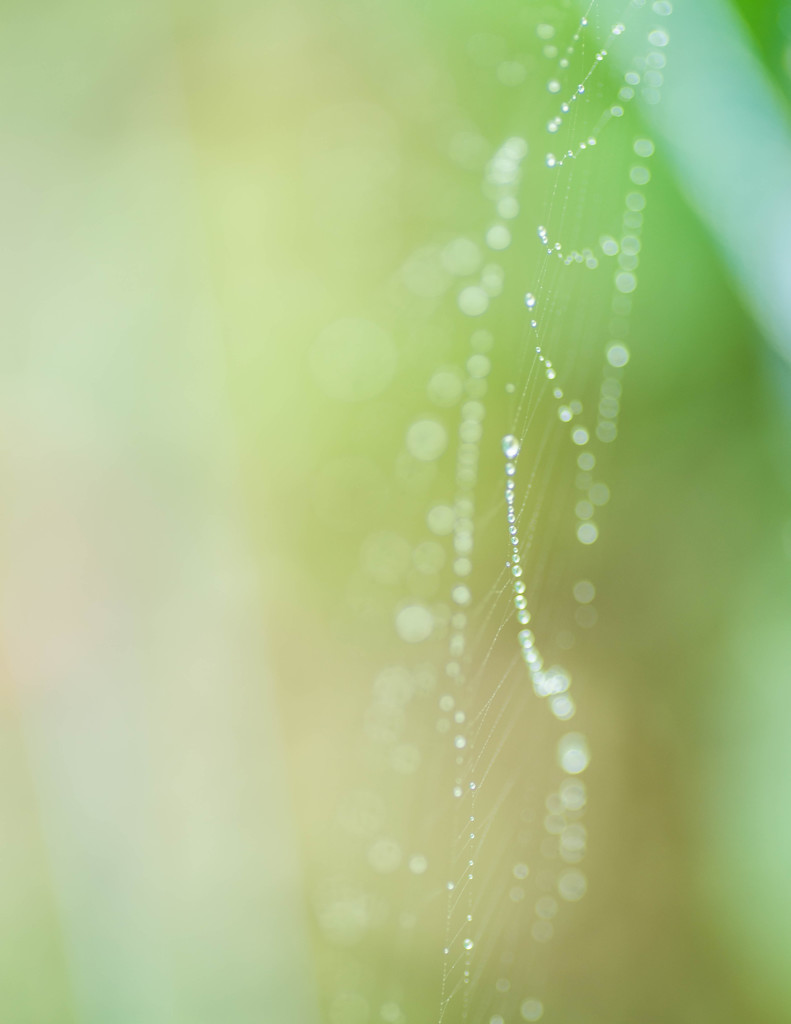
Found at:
[644, 147]
[584, 591]
[562, 707]
[599, 494]
[498, 237]
[608, 246]
[573, 753]
[587, 533]
[625, 282]
[572, 885]
[473, 301]
[617, 355]
[414, 623]
[418, 864]
[531, 1010]
[511, 446]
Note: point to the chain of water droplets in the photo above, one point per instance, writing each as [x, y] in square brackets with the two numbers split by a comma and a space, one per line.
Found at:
[554, 683]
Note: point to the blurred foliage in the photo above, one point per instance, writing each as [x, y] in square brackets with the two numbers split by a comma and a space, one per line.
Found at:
[194, 193]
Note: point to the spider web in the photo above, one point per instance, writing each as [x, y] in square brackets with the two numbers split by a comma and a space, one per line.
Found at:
[456, 866]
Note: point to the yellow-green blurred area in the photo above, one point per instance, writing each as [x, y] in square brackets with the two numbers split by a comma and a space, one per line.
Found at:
[235, 236]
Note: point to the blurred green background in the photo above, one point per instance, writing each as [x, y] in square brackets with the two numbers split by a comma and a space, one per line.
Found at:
[192, 193]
